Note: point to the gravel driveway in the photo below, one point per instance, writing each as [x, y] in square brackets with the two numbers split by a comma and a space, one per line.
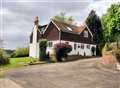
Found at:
[76, 74]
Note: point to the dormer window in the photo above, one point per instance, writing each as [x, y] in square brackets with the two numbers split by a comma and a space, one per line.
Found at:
[86, 34]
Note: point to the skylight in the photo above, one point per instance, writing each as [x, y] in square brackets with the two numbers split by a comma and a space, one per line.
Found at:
[69, 28]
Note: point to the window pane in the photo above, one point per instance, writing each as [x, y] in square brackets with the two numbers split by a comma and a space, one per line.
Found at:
[75, 46]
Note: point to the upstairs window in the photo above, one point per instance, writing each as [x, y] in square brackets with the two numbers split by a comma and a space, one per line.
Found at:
[86, 34]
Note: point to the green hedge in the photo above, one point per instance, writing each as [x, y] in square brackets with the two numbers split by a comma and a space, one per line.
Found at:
[20, 52]
[42, 48]
[3, 57]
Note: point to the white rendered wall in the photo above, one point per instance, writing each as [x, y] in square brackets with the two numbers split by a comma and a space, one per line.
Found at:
[77, 51]
[34, 46]
[34, 50]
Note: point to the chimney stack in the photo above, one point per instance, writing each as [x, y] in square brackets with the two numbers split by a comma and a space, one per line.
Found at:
[36, 21]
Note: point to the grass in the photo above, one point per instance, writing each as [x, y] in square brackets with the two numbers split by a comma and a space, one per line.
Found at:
[15, 63]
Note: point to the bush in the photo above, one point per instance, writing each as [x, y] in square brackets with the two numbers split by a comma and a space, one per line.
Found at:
[20, 52]
[3, 57]
[114, 48]
[107, 47]
[42, 48]
[62, 50]
[118, 55]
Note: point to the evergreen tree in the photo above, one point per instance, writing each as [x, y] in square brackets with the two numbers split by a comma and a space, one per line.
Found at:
[94, 23]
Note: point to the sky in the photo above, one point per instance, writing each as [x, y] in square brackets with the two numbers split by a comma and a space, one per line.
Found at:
[17, 16]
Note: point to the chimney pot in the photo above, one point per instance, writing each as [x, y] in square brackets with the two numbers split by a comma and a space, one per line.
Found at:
[36, 22]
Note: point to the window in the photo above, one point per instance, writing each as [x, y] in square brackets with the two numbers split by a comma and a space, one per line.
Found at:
[88, 46]
[78, 46]
[69, 28]
[67, 42]
[75, 46]
[82, 46]
[86, 34]
[50, 44]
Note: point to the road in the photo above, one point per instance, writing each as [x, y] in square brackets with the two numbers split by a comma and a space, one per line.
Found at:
[86, 73]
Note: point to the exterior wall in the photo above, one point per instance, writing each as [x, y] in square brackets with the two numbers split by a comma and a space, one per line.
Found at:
[52, 33]
[77, 51]
[34, 46]
[50, 49]
[34, 50]
[76, 37]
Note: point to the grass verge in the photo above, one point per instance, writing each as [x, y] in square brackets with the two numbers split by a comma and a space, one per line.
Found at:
[16, 63]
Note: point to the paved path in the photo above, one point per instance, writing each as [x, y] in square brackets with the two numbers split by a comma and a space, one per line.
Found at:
[7, 83]
[76, 74]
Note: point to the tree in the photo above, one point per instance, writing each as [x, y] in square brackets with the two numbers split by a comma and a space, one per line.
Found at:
[63, 18]
[42, 48]
[94, 23]
[111, 23]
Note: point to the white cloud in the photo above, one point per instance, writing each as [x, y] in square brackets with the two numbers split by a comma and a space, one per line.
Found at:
[101, 6]
[18, 15]
[3, 11]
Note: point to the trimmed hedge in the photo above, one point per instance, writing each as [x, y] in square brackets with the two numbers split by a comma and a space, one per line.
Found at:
[42, 48]
[20, 52]
[3, 57]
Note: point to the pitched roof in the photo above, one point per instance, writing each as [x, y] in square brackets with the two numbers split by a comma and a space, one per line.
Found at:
[41, 28]
[69, 28]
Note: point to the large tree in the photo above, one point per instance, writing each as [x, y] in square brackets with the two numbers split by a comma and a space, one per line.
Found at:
[111, 23]
[63, 18]
[94, 23]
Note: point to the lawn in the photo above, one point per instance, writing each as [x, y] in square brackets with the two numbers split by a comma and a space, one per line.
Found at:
[15, 63]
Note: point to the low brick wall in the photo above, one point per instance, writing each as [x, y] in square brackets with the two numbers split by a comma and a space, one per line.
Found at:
[77, 57]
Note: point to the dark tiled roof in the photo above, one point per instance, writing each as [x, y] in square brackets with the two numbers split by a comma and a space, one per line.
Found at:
[69, 28]
[41, 28]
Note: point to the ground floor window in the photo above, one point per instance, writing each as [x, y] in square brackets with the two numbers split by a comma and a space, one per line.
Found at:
[88, 46]
[67, 42]
[75, 46]
[50, 44]
[82, 46]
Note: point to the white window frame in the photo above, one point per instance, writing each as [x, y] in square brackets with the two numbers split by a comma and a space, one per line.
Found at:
[86, 34]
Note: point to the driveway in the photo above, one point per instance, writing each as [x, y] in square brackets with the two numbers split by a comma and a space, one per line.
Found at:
[77, 74]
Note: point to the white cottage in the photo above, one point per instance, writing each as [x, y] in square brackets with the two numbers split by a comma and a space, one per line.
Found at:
[79, 37]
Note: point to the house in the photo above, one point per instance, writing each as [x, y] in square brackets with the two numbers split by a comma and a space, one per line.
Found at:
[79, 37]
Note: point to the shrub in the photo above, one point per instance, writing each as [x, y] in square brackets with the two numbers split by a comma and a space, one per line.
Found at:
[118, 55]
[20, 52]
[112, 47]
[62, 50]
[107, 47]
[3, 57]
[42, 48]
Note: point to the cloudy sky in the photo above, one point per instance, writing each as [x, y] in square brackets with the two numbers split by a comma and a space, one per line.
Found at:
[17, 16]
